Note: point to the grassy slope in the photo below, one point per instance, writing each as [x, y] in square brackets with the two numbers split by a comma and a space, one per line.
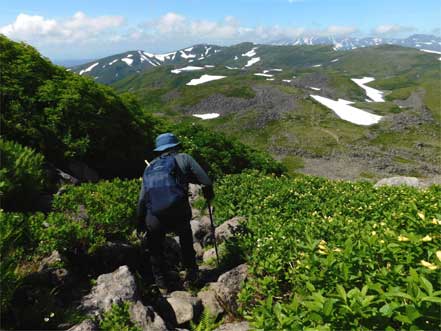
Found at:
[310, 129]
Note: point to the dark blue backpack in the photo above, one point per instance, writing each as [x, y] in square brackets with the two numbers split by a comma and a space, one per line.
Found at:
[164, 186]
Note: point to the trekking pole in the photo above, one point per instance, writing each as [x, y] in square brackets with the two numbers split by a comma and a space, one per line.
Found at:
[213, 230]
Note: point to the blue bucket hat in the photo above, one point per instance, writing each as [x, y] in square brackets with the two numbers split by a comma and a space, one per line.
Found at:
[165, 141]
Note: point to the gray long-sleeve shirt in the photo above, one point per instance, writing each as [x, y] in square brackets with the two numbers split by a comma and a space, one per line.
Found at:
[192, 173]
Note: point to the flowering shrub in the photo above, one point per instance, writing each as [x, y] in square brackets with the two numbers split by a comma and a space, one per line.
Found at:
[327, 255]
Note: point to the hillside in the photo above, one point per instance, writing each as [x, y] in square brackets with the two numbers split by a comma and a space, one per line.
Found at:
[263, 96]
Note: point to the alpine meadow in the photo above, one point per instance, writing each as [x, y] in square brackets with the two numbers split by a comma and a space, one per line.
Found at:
[312, 167]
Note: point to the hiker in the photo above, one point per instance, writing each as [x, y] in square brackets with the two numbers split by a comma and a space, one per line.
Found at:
[163, 205]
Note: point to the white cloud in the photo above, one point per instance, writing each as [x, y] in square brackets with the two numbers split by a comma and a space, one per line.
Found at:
[78, 28]
[391, 29]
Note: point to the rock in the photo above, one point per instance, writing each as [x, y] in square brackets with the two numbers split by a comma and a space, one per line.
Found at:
[112, 255]
[228, 286]
[146, 318]
[195, 229]
[66, 178]
[209, 301]
[198, 249]
[82, 171]
[185, 306]
[195, 213]
[399, 180]
[111, 288]
[86, 325]
[209, 255]
[237, 326]
[50, 261]
[194, 191]
[227, 229]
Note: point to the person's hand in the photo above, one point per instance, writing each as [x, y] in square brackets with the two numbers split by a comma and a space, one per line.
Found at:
[208, 193]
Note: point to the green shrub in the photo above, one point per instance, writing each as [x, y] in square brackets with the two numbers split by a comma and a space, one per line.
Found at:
[220, 155]
[118, 319]
[88, 215]
[207, 322]
[21, 175]
[328, 255]
[69, 117]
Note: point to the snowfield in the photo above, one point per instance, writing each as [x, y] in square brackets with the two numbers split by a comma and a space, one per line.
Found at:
[250, 53]
[204, 79]
[348, 113]
[207, 116]
[252, 61]
[430, 51]
[127, 60]
[89, 68]
[187, 68]
[263, 75]
[314, 88]
[112, 62]
[375, 95]
[316, 66]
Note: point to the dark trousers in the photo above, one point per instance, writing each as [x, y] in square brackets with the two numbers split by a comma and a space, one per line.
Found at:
[156, 231]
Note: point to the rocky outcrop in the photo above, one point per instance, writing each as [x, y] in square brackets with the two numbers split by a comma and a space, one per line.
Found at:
[86, 325]
[146, 318]
[399, 180]
[227, 229]
[184, 307]
[111, 288]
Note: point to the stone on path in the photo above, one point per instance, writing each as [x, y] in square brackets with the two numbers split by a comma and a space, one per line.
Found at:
[111, 288]
[399, 180]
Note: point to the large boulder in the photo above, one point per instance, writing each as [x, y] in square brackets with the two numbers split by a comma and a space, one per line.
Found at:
[194, 191]
[399, 180]
[86, 325]
[237, 326]
[209, 300]
[185, 307]
[111, 288]
[227, 229]
[209, 255]
[229, 285]
[146, 318]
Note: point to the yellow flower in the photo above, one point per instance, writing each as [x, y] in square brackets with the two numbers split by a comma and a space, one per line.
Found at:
[402, 238]
[337, 249]
[381, 241]
[436, 221]
[322, 247]
[438, 255]
[428, 265]
[322, 242]
[322, 252]
[421, 215]
[374, 233]
[427, 238]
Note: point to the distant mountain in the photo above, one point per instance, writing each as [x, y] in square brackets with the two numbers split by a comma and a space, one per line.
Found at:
[116, 67]
[112, 68]
[420, 41]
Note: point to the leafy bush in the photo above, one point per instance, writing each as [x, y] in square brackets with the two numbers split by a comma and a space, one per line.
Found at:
[220, 155]
[21, 175]
[118, 319]
[207, 322]
[69, 117]
[336, 255]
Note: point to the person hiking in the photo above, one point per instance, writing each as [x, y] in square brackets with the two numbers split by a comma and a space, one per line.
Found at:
[163, 205]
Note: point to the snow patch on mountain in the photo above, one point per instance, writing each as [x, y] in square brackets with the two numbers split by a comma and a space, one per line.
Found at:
[263, 74]
[252, 61]
[112, 62]
[127, 60]
[204, 79]
[231, 68]
[187, 68]
[187, 56]
[314, 88]
[317, 65]
[348, 113]
[208, 116]
[430, 51]
[89, 68]
[373, 94]
[251, 53]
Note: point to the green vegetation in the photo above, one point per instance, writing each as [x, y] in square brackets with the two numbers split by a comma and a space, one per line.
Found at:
[118, 319]
[330, 255]
[207, 322]
[21, 175]
[68, 117]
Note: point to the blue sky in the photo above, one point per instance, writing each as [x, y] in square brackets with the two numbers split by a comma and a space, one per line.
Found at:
[93, 28]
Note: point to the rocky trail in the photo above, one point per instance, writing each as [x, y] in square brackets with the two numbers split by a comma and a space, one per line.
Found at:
[121, 274]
